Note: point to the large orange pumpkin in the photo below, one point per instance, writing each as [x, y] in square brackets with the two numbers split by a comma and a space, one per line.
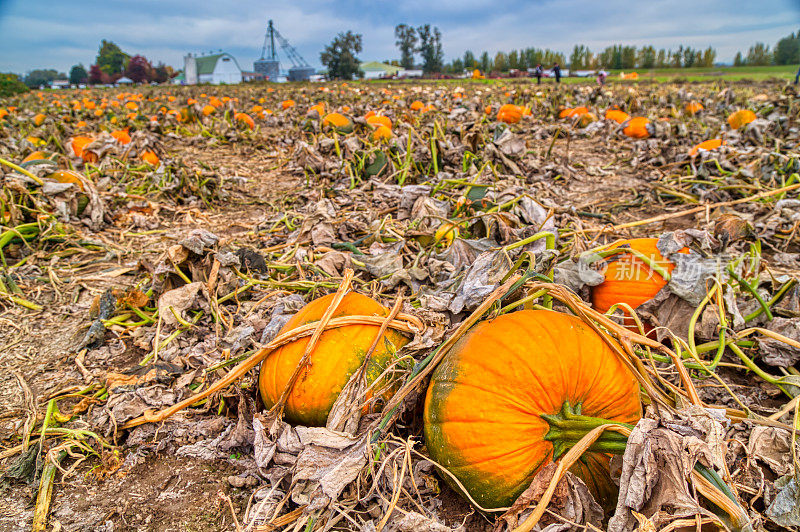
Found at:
[629, 279]
[338, 354]
[484, 406]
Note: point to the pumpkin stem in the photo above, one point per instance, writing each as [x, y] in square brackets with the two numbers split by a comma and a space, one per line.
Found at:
[569, 426]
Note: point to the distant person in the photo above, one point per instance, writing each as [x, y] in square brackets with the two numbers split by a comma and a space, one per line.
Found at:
[601, 78]
[538, 71]
[557, 72]
[797, 76]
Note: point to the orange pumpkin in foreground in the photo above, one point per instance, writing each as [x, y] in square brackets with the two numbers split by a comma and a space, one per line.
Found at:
[484, 406]
[629, 279]
[338, 354]
[339, 122]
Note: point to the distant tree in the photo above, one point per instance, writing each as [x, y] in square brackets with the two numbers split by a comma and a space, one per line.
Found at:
[407, 42]
[430, 48]
[646, 58]
[513, 59]
[759, 55]
[78, 75]
[139, 69]
[110, 58]
[500, 63]
[97, 76]
[708, 57]
[787, 51]
[580, 58]
[10, 84]
[35, 78]
[661, 60]
[457, 66]
[738, 60]
[469, 60]
[340, 56]
[161, 73]
[485, 62]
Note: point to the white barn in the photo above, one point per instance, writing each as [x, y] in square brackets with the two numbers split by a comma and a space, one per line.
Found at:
[214, 69]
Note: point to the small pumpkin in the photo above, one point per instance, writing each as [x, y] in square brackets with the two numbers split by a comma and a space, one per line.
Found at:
[150, 157]
[382, 133]
[79, 144]
[446, 233]
[617, 116]
[378, 121]
[68, 176]
[585, 119]
[36, 156]
[244, 119]
[417, 105]
[510, 113]
[692, 108]
[339, 122]
[484, 405]
[209, 110]
[39, 119]
[122, 136]
[741, 118]
[338, 354]
[638, 128]
[706, 145]
[630, 280]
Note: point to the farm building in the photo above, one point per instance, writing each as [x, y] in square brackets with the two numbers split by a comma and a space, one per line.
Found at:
[376, 70]
[214, 69]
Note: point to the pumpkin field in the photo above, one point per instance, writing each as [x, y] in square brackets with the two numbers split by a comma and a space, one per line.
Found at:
[401, 306]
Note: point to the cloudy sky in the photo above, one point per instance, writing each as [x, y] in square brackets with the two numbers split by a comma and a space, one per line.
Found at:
[59, 34]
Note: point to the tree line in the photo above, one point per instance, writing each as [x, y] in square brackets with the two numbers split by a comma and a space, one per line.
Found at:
[110, 65]
[786, 52]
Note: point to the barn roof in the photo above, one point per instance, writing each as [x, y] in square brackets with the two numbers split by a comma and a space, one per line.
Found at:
[207, 63]
[375, 66]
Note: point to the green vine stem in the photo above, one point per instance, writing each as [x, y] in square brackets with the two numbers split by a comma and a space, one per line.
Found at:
[569, 426]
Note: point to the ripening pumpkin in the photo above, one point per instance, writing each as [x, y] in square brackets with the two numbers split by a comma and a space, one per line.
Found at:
[286, 104]
[417, 105]
[565, 112]
[39, 119]
[245, 120]
[338, 121]
[319, 108]
[122, 136]
[692, 108]
[707, 145]
[638, 128]
[35, 156]
[67, 176]
[586, 119]
[209, 110]
[484, 405]
[510, 113]
[382, 133]
[150, 157]
[378, 121]
[741, 118]
[446, 233]
[630, 280]
[617, 116]
[78, 148]
[338, 354]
